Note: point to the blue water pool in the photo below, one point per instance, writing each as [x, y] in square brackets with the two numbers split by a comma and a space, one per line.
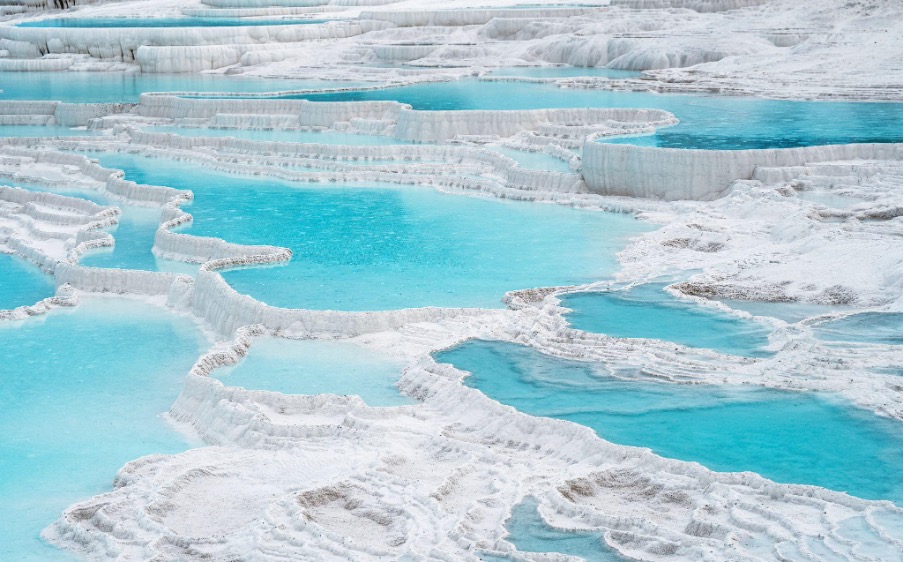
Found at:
[126, 87]
[318, 367]
[164, 22]
[787, 437]
[710, 122]
[529, 533]
[22, 283]
[866, 327]
[389, 247]
[134, 236]
[647, 311]
[81, 393]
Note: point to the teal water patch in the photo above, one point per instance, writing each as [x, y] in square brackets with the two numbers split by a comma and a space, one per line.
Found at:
[647, 311]
[126, 87]
[81, 394]
[787, 437]
[866, 327]
[318, 367]
[788, 311]
[164, 22]
[530, 533]
[22, 283]
[710, 122]
[389, 247]
[533, 160]
[311, 137]
[134, 236]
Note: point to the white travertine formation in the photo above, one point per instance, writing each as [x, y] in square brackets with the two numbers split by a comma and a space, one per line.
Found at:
[421, 18]
[671, 173]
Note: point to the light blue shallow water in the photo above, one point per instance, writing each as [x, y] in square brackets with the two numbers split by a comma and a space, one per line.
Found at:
[711, 122]
[389, 247]
[529, 533]
[126, 87]
[647, 311]
[787, 437]
[318, 367]
[134, 236]
[22, 283]
[164, 22]
[81, 393]
[866, 327]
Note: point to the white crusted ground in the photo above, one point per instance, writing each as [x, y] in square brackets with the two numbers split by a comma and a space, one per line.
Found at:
[326, 477]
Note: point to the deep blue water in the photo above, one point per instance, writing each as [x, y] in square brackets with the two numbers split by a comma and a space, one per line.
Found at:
[81, 394]
[389, 247]
[711, 122]
[787, 437]
[647, 311]
[318, 367]
[163, 22]
[22, 283]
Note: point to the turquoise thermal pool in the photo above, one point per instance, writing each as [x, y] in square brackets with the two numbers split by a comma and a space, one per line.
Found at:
[867, 327]
[529, 533]
[784, 436]
[708, 122]
[317, 367]
[647, 311]
[389, 247]
[126, 87]
[22, 283]
[81, 394]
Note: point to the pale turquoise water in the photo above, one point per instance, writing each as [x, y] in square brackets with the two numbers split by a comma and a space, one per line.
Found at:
[784, 436]
[711, 122]
[389, 247]
[164, 22]
[866, 327]
[318, 367]
[22, 283]
[529, 533]
[647, 311]
[134, 236]
[81, 393]
[126, 87]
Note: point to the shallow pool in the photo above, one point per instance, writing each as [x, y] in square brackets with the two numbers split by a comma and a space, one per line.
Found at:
[711, 122]
[530, 533]
[389, 247]
[126, 87]
[164, 22]
[647, 311]
[22, 283]
[81, 393]
[866, 327]
[318, 367]
[784, 436]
